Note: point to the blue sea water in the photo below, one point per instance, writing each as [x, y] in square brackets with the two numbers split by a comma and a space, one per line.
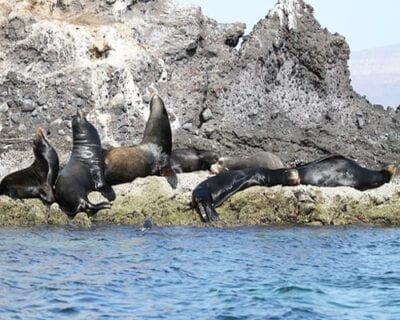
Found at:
[115, 272]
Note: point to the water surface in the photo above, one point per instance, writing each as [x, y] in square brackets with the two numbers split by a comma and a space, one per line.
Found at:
[119, 272]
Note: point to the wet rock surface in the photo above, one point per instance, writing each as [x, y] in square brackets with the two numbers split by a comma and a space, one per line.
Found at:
[285, 88]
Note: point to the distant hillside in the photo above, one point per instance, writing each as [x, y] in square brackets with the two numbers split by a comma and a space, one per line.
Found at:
[376, 74]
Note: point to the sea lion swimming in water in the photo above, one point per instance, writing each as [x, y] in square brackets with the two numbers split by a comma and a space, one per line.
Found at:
[36, 181]
[264, 159]
[337, 170]
[84, 172]
[212, 192]
[150, 157]
[191, 159]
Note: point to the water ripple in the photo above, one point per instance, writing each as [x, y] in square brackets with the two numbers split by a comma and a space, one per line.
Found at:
[195, 273]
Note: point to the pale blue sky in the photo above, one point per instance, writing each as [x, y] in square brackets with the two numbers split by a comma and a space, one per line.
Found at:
[364, 23]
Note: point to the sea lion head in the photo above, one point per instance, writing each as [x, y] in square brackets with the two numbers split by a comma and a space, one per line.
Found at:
[219, 166]
[157, 105]
[390, 170]
[45, 153]
[40, 143]
[209, 157]
[83, 131]
[293, 177]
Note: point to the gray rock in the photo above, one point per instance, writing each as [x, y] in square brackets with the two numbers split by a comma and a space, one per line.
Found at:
[272, 91]
[4, 107]
[27, 105]
[15, 118]
[22, 127]
[360, 122]
[187, 126]
[207, 115]
[118, 101]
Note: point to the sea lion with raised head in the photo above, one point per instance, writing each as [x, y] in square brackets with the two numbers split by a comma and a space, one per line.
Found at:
[337, 170]
[191, 159]
[150, 157]
[84, 172]
[37, 180]
[212, 192]
[264, 159]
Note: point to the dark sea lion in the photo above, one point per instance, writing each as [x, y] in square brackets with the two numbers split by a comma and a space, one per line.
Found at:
[84, 172]
[337, 170]
[212, 192]
[264, 159]
[150, 157]
[36, 181]
[190, 159]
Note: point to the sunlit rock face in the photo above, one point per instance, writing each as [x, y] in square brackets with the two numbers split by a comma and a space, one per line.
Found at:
[285, 88]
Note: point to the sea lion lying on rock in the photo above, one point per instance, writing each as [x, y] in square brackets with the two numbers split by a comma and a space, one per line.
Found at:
[264, 159]
[331, 171]
[337, 170]
[212, 192]
[190, 159]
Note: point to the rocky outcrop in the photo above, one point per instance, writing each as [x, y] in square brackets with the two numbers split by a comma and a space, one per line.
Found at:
[283, 88]
[152, 199]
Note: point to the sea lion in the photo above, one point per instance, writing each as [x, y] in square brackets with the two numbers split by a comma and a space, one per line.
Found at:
[36, 181]
[264, 159]
[84, 171]
[212, 192]
[337, 170]
[150, 157]
[190, 159]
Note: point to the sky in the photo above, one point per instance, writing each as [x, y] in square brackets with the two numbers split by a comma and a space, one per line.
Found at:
[365, 23]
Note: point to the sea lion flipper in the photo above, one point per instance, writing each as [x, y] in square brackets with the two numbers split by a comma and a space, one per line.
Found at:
[165, 169]
[202, 201]
[171, 176]
[92, 208]
[207, 211]
[46, 194]
[108, 192]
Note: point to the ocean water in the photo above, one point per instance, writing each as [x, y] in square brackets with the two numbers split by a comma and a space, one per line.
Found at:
[115, 272]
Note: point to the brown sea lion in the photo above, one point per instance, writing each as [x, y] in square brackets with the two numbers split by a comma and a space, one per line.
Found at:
[36, 181]
[150, 157]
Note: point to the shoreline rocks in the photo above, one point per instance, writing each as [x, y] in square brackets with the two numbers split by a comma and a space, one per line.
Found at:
[284, 89]
[152, 198]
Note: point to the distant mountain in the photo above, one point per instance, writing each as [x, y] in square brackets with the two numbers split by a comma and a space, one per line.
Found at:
[375, 73]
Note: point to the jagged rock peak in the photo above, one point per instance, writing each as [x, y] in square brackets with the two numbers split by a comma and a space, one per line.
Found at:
[289, 12]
